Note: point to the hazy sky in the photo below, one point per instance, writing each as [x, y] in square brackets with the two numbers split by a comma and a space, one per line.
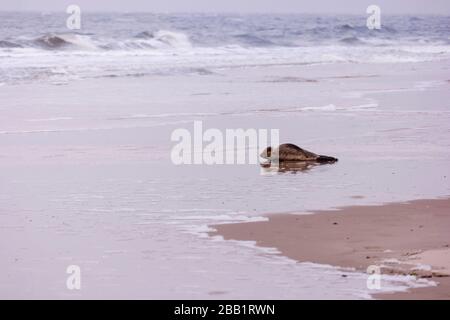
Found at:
[276, 6]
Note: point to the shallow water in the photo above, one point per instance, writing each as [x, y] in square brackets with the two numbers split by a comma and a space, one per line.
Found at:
[86, 176]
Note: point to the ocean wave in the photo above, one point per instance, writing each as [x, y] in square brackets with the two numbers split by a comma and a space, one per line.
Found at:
[345, 27]
[65, 40]
[352, 41]
[161, 39]
[137, 46]
[252, 40]
[363, 30]
[9, 44]
[348, 28]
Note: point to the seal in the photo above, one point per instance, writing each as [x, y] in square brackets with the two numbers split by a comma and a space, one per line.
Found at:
[289, 152]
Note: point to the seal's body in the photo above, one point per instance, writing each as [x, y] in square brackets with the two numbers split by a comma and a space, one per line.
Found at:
[291, 153]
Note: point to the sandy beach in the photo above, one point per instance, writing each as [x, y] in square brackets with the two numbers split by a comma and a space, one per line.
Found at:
[87, 180]
[401, 238]
[87, 177]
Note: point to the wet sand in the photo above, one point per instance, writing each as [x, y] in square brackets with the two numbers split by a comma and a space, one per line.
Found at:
[401, 238]
[86, 176]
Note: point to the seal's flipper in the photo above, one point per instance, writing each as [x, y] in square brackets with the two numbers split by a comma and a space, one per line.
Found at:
[326, 159]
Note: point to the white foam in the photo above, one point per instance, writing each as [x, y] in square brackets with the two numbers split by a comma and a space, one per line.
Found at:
[422, 267]
[171, 52]
[49, 119]
[165, 115]
[332, 107]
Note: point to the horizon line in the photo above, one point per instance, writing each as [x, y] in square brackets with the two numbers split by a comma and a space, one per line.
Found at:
[222, 12]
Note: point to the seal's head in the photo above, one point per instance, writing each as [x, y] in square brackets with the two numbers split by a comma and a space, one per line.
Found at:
[267, 152]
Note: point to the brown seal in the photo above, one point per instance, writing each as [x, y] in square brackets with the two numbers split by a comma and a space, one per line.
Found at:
[291, 153]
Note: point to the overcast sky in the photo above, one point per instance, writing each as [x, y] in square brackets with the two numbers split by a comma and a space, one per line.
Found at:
[239, 6]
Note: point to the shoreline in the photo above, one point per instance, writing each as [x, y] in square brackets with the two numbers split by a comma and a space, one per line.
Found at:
[99, 171]
[408, 238]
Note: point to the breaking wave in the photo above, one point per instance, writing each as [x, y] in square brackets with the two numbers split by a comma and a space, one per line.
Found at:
[161, 39]
[139, 45]
[252, 40]
[9, 44]
[352, 41]
[61, 41]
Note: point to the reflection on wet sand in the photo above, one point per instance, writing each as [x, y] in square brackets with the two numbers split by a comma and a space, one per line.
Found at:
[289, 166]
